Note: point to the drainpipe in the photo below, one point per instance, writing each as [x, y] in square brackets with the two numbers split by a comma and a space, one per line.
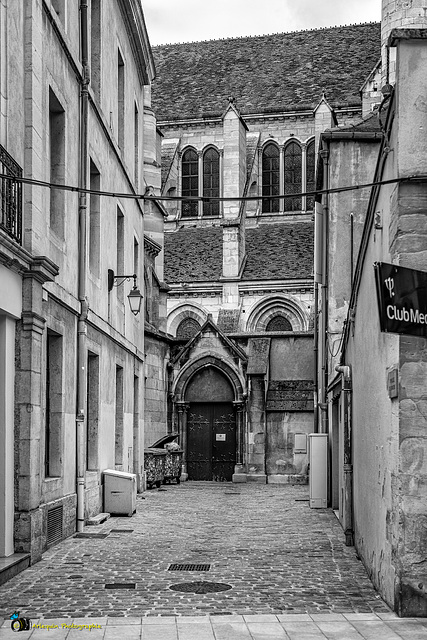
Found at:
[322, 399]
[345, 370]
[82, 266]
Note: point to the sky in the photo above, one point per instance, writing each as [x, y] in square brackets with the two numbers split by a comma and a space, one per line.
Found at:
[170, 21]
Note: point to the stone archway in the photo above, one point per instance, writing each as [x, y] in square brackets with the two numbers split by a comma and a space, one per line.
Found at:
[210, 410]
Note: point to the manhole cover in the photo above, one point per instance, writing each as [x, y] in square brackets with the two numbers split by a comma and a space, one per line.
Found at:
[200, 587]
[74, 577]
[189, 567]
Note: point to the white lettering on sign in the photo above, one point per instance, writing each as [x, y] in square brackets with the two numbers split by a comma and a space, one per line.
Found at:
[393, 313]
[220, 437]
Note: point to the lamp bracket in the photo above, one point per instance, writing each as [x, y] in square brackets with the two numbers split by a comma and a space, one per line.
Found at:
[112, 278]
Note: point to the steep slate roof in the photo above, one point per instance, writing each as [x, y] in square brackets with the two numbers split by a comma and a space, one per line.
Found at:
[278, 72]
[279, 251]
[274, 252]
[193, 255]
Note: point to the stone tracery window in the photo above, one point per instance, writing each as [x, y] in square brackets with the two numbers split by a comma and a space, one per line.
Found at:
[190, 182]
[279, 323]
[270, 177]
[187, 328]
[310, 161]
[211, 181]
[293, 175]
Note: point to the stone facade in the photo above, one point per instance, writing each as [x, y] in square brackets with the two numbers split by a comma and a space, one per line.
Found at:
[377, 435]
[68, 86]
[240, 271]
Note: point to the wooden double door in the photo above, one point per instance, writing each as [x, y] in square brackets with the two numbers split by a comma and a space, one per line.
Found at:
[211, 441]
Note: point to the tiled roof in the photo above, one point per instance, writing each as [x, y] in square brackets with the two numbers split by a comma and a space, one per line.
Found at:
[274, 252]
[369, 123]
[283, 71]
[193, 255]
[279, 251]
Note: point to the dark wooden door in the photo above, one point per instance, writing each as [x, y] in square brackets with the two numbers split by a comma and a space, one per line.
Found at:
[211, 441]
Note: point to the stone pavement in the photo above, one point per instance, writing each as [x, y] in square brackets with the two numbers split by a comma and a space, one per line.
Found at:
[285, 567]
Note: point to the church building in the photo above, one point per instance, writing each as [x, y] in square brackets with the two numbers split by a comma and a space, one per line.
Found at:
[240, 122]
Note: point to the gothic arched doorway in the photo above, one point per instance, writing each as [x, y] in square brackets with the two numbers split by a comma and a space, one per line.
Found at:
[211, 426]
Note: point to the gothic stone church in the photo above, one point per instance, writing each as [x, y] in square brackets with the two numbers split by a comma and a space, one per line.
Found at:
[242, 117]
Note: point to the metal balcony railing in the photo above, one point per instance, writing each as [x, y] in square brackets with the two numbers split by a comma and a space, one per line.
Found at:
[10, 197]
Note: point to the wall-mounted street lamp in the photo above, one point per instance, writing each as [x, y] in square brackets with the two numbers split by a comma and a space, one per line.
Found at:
[134, 296]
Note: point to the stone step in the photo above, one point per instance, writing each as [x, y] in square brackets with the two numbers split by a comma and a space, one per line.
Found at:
[99, 519]
[12, 565]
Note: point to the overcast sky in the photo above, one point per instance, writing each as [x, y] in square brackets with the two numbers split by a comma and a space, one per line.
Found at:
[189, 20]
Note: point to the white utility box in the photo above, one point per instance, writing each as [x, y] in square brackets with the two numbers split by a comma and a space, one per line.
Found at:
[119, 492]
[318, 446]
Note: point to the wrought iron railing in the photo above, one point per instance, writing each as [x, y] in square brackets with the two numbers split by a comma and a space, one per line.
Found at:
[10, 197]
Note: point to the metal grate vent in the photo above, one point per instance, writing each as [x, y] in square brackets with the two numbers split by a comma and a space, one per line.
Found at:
[54, 525]
[200, 587]
[121, 585]
[97, 536]
[189, 567]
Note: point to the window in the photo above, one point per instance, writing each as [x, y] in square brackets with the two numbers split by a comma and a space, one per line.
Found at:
[211, 181]
[270, 178]
[136, 145]
[56, 163]
[279, 323]
[118, 456]
[187, 328]
[120, 100]
[293, 176]
[310, 173]
[92, 412]
[54, 406]
[95, 47]
[94, 220]
[120, 248]
[190, 182]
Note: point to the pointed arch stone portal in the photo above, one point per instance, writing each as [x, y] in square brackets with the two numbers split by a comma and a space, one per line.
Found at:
[209, 404]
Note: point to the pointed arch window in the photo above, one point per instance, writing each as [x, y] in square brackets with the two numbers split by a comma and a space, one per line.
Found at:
[211, 181]
[293, 176]
[270, 177]
[310, 173]
[190, 182]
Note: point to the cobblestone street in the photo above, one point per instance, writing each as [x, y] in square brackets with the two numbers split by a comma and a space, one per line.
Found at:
[277, 555]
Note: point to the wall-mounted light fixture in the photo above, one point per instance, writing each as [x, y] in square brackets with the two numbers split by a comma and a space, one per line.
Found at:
[134, 296]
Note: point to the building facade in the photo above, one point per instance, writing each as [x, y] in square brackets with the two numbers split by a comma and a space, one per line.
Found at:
[241, 121]
[72, 113]
[374, 392]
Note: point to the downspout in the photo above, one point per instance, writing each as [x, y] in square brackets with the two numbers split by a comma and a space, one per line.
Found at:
[322, 399]
[345, 370]
[82, 266]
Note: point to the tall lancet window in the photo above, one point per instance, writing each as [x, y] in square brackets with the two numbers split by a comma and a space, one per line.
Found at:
[211, 181]
[310, 172]
[190, 182]
[270, 178]
[293, 176]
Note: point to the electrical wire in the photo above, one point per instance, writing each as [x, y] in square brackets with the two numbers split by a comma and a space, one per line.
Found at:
[153, 198]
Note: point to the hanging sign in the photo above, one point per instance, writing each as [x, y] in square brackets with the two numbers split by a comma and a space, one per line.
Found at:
[402, 299]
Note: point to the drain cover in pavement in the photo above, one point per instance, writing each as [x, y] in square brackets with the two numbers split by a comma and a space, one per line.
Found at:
[121, 585]
[121, 530]
[189, 567]
[200, 587]
[91, 535]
